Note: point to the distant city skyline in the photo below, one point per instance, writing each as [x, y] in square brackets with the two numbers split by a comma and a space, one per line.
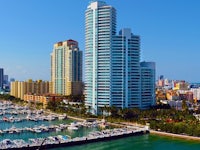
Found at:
[169, 31]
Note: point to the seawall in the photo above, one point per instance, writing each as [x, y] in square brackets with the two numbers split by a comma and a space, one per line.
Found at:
[180, 136]
[85, 140]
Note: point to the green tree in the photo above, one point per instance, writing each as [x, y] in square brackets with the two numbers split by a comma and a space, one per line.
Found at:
[114, 112]
[184, 105]
[53, 105]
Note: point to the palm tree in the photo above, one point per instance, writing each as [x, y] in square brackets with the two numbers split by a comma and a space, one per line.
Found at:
[102, 111]
[184, 105]
[114, 111]
[89, 108]
[108, 110]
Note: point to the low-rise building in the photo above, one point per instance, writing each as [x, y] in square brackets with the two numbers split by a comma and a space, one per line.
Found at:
[196, 93]
[44, 99]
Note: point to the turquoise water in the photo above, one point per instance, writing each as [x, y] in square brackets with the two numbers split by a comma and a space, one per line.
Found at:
[31, 124]
[144, 142]
[27, 135]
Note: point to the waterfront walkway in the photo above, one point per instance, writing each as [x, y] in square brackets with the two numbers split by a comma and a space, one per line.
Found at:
[76, 118]
[186, 137]
[180, 136]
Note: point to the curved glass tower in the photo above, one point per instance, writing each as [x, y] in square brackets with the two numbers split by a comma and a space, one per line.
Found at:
[100, 25]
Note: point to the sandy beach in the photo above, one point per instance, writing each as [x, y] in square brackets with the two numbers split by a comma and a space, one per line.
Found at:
[186, 137]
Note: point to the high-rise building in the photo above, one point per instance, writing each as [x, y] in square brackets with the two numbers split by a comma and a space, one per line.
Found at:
[1, 77]
[161, 77]
[66, 69]
[148, 70]
[12, 79]
[100, 26]
[125, 75]
[112, 62]
[5, 79]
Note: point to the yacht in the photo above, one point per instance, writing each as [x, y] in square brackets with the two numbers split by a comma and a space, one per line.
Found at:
[61, 117]
[72, 126]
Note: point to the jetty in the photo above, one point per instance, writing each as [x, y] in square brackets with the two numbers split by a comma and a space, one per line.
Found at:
[64, 141]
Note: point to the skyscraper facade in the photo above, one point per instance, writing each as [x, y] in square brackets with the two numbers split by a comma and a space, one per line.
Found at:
[100, 26]
[125, 77]
[1, 77]
[112, 62]
[148, 71]
[5, 79]
[66, 68]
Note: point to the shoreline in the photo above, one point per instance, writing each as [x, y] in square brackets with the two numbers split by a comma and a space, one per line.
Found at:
[160, 133]
[166, 134]
[179, 136]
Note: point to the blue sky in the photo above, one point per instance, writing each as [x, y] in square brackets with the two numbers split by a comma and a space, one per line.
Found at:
[169, 30]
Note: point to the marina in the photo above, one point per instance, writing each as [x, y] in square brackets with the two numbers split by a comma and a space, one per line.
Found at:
[65, 140]
[21, 127]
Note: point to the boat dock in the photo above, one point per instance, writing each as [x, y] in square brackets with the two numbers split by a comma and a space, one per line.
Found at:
[64, 141]
[11, 113]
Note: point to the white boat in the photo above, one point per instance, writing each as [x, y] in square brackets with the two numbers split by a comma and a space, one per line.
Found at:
[20, 143]
[61, 117]
[63, 125]
[7, 143]
[72, 126]
[37, 131]
[1, 132]
[58, 129]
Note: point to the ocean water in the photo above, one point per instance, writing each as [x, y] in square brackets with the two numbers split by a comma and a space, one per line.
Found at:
[142, 142]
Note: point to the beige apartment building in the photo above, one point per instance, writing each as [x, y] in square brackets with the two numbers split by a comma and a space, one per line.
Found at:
[19, 88]
[44, 98]
[66, 69]
[37, 99]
